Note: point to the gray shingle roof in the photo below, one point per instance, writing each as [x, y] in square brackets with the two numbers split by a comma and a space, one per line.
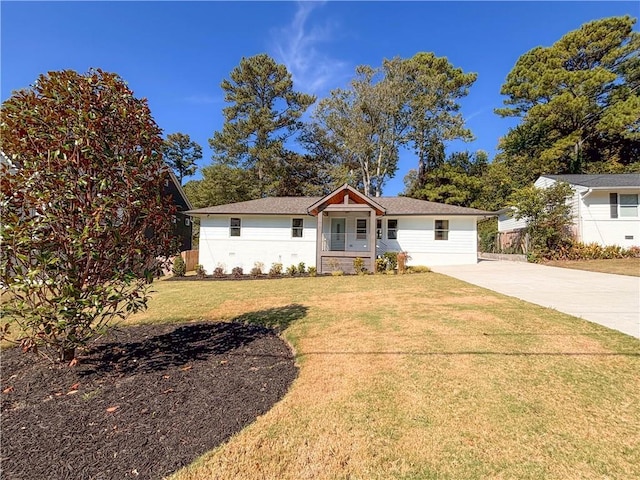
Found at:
[600, 181]
[299, 205]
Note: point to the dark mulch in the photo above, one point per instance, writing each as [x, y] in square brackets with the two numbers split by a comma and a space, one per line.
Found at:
[142, 403]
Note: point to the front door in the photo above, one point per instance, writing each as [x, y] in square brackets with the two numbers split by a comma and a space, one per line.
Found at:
[337, 233]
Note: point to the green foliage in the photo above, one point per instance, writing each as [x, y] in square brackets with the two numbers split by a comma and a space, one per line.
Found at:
[391, 259]
[292, 270]
[418, 269]
[381, 265]
[263, 112]
[79, 202]
[579, 101]
[181, 154]
[358, 266]
[302, 268]
[591, 251]
[179, 268]
[548, 216]
[221, 184]
[275, 270]
[313, 271]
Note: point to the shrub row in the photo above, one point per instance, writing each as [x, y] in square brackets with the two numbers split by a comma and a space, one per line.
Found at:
[589, 251]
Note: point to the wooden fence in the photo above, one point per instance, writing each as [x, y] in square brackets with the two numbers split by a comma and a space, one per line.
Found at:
[190, 257]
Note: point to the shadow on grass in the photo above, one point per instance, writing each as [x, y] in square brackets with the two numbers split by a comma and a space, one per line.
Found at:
[186, 343]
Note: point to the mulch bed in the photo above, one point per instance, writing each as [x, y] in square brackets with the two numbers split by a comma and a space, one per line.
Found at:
[142, 403]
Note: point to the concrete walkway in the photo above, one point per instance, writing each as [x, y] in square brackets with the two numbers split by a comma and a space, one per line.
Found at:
[609, 300]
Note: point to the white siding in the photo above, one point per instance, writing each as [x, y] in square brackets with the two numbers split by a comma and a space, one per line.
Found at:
[507, 222]
[265, 239]
[416, 236]
[598, 226]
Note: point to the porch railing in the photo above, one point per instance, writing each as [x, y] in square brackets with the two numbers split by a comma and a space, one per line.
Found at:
[345, 242]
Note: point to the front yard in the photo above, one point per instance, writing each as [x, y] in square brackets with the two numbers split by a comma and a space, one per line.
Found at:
[424, 376]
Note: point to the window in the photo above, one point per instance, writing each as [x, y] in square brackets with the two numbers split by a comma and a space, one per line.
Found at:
[296, 227]
[613, 204]
[234, 227]
[379, 229]
[392, 229]
[442, 230]
[628, 205]
[361, 229]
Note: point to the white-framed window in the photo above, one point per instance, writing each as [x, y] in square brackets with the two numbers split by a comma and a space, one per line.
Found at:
[379, 229]
[361, 228]
[392, 229]
[628, 204]
[235, 226]
[297, 225]
[441, 230]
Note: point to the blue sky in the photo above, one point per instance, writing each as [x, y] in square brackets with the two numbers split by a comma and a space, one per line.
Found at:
[176, 54]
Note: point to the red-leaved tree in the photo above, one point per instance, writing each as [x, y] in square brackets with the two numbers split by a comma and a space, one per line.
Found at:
[85, 224]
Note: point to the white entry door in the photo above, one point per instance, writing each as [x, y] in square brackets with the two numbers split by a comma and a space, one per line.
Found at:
[337, 233]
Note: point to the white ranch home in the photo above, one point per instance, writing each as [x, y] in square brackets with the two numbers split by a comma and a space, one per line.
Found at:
[605, 208]
[330, 232]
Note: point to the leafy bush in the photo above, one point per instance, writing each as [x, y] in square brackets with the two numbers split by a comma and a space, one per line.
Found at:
[381, 265]
[237, 272]
[302, 268]
[275, 270]
[256, 271]
[218, 272]
[358, 266]
[589, 251]
[313, 271]
[292, 270]
[179, 268]
[392, 260]
[200, 271]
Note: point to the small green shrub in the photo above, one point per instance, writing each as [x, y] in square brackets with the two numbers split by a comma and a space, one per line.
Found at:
[392, 260]
[179, 267]
[237, 272]
[200, 271]
[275, 270]
[292, 270]
[313, 271]
[302, 268]
[381, 265]
[358, 266]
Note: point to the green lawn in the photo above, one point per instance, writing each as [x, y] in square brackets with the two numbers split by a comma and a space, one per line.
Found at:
[423, 376]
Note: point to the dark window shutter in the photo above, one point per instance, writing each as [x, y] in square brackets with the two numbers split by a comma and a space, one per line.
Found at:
[613, 203]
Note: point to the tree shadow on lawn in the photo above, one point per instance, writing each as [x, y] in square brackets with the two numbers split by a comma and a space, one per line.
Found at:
[187, 343]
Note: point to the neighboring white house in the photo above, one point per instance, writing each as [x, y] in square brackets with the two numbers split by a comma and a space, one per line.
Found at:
[330, 232]
[605, 208]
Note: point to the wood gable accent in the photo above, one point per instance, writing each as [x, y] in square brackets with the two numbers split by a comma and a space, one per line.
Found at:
[345, 199]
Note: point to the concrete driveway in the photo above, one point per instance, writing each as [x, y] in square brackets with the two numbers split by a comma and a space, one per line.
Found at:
[609, 300]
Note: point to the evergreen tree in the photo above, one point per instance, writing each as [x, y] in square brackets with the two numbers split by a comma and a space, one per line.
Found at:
[181, 154]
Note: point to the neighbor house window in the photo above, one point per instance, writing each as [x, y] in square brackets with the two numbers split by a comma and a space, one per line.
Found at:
[234, 227]
[442, 230]
[379, 229]
[628, 205]
[361, 229]
[296, 227]
[613, 205]
[392, 229]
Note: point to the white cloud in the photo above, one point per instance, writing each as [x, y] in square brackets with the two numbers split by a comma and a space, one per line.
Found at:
[297, 46]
